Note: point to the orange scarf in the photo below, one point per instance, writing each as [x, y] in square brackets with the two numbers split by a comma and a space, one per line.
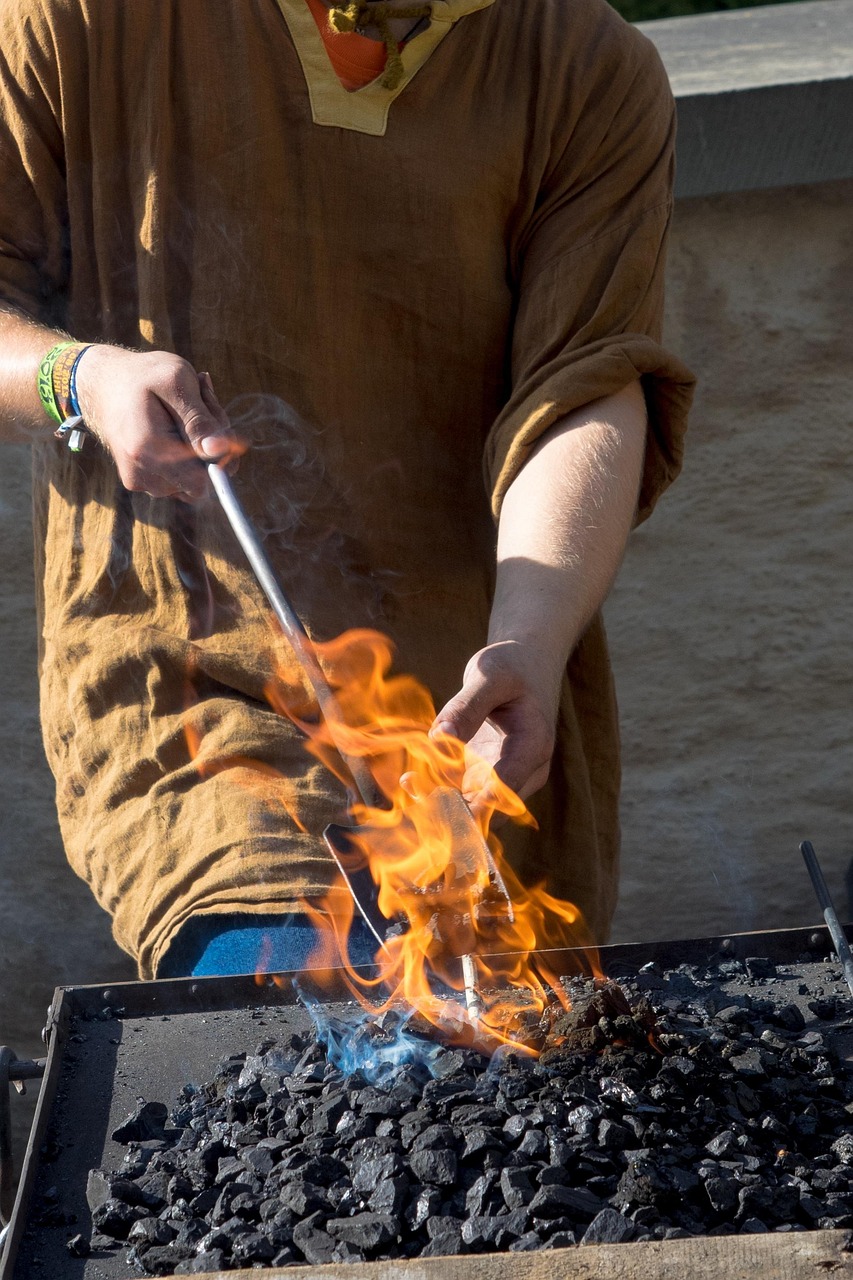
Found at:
[356, 59]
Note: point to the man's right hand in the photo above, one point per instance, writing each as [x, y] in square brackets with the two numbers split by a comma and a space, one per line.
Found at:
[157, 417]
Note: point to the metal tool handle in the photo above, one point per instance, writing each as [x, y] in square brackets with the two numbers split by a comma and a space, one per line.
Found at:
[836, 932]
[293, 629]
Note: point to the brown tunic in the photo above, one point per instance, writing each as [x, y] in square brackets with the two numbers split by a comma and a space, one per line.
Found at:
[391, 294]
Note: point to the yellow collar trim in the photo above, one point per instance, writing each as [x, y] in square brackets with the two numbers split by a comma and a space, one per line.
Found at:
[364, 110]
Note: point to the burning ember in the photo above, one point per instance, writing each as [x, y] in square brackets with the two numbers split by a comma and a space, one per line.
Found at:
[423, 865]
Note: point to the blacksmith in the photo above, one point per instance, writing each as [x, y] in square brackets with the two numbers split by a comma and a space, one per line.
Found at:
[414, 247]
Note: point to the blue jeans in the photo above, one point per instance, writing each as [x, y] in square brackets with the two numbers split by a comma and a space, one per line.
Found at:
[221, 945]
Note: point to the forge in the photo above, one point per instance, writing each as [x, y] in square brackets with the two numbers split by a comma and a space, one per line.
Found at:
[723, 1150]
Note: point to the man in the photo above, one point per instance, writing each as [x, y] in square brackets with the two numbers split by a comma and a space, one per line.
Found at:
[456, 265]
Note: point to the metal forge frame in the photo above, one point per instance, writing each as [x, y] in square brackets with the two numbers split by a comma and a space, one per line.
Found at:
[98, 1041]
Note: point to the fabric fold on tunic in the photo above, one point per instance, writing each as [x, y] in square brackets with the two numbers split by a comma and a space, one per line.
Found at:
[384, 316]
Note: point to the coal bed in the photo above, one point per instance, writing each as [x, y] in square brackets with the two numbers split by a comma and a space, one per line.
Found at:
[709, 1093]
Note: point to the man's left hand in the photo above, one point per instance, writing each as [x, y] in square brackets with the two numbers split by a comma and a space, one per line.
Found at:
[506, 711]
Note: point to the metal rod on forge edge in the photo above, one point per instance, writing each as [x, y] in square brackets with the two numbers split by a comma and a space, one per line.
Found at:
[833, 924]
[291, 625]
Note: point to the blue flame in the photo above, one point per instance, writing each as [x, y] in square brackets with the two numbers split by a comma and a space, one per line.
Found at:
[374, 1046]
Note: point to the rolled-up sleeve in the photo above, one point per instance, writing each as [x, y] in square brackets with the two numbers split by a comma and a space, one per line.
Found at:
[589, 277]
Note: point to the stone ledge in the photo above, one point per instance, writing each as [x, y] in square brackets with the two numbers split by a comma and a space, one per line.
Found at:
[764, 95]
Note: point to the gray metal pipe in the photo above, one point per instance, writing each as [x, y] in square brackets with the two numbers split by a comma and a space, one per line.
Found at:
[293, 628]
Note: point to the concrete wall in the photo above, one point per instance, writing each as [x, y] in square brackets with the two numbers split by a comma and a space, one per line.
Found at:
[730, 623]
[732, 619]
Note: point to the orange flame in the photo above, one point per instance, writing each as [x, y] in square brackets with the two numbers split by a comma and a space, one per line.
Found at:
[414, 847]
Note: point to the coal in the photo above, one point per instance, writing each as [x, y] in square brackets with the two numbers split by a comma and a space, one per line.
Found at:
[609, 1226]
[367, 1231]
[78, 1246]
[561, 1202]
[202, 1264]
[680, 1103]
[147, 1120]
[444, 1237]
[115, 1218]
[436, 1168]
[150, 1231]
[102, 1186]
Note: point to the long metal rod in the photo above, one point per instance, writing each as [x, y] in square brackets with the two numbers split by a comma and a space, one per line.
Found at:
[833, 924]
[292, 626]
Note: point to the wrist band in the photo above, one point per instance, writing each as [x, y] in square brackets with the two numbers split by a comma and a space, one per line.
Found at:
[63, 378]
[72, 387]
[44, 380]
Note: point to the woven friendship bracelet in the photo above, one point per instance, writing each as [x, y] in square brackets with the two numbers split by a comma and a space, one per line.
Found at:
[64, 368]
[45, 380]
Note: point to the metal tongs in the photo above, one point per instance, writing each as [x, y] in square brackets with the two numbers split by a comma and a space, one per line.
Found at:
[475, 883]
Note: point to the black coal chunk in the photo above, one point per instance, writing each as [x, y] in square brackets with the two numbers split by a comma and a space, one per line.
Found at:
[114, 1218]
[390, 1196]
[202, 1264]
[78, 1246]
[445, 1237]
[252, 1246]
[102, 1186]
[159, 1260]
[557, 1202]
[481, 1232]
[367, 1231]
[722, 1189]
[147, 1120]
[518, 1185]
[315, 1244]
[149, 1231]
[609, 1226]
[437, 1168]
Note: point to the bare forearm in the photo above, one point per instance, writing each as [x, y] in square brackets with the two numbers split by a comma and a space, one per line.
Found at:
[564, 524]
[151, 410]
[23, 344]
[563, 528]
